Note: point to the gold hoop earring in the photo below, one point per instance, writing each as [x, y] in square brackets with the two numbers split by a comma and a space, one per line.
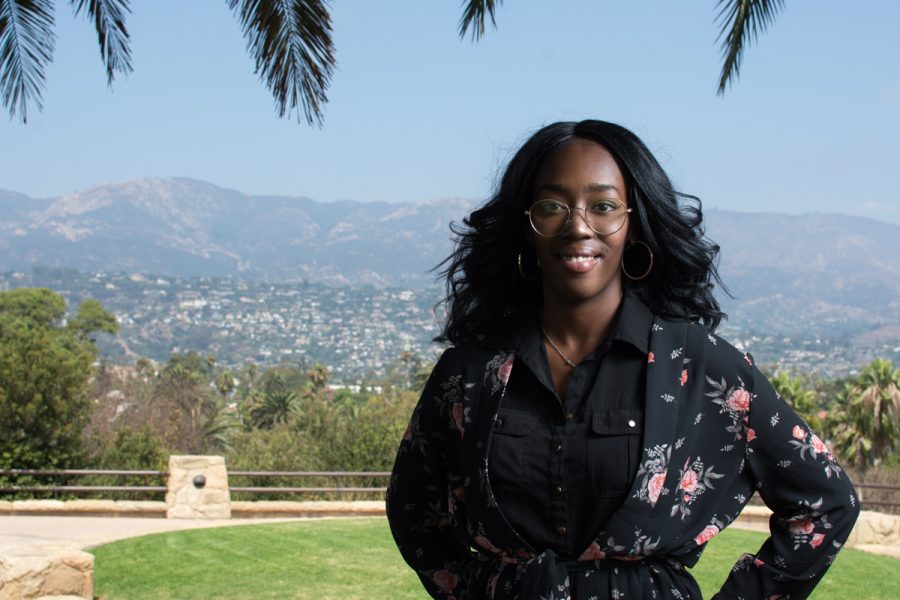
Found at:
[631, 259]
[522, 271]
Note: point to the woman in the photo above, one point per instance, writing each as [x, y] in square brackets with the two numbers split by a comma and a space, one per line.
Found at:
[588, 434]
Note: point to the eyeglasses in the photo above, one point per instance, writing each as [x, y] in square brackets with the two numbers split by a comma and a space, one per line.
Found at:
[551, 217]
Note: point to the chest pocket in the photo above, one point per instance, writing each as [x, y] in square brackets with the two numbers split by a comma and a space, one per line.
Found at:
[513, 434]
[614, 450]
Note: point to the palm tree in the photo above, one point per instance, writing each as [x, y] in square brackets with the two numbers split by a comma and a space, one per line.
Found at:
[221, 428]
[741, 22]
[867, 427]
[318, 379]
[289, 40]
[276, 406]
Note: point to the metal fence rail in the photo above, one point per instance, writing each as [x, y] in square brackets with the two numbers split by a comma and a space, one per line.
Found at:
[157, 489]
[890, 489]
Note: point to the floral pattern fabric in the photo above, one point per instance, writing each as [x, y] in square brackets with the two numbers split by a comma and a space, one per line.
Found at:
[715, 432]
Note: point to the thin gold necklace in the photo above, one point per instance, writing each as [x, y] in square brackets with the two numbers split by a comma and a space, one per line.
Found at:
[555, 347]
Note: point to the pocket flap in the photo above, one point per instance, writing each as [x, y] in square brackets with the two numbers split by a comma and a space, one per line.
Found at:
[621, 421]
[514, 423]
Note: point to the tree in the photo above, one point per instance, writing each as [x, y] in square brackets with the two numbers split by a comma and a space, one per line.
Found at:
[866, 425]
[277, 406]
[794, 391]
[225, 383]
[184, 387]
[741, 22]
[44, 373]
[92, 318]
[289, 40]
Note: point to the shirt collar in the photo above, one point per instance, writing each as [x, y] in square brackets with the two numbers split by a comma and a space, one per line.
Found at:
[632, 326]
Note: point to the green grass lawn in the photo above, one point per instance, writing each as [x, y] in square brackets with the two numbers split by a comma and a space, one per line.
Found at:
[356, 558]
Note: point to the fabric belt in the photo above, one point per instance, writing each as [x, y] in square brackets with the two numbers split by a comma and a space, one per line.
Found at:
[546, 577]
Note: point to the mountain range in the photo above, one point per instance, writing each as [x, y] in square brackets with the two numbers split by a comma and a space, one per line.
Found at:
[805, 273]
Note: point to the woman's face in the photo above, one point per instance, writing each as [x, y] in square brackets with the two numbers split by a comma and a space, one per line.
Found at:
[580, 265]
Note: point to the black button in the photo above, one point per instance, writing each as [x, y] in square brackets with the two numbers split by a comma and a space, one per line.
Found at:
[499, 422]
[570, 416]
[562, 531]
[557, 447]
[558, 490]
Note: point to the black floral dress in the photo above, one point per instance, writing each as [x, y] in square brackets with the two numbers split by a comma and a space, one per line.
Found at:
[715, 431]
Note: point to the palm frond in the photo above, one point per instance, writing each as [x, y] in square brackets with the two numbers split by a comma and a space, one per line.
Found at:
[26, 48]
[290, 40]
[109, 21]
[742, 21]
[474, 13]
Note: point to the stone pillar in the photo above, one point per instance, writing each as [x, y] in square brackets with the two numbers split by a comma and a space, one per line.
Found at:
[198, 488]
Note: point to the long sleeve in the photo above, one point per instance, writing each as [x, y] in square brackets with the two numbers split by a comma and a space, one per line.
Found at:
[813, 502]
[422, 494]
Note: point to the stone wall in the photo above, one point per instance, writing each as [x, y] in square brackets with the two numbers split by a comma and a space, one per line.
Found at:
[198, 488]
[871, 529]
[40, 573]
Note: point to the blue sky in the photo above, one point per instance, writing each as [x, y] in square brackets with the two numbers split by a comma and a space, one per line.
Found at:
[415, 113]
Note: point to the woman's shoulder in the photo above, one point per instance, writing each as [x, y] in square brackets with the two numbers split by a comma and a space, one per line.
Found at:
[707, 350]
[468, 355]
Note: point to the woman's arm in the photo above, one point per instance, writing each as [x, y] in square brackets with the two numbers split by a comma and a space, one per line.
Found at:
[419, 497]
[813, 502]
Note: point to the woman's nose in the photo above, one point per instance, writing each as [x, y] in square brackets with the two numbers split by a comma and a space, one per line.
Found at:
[578, 224]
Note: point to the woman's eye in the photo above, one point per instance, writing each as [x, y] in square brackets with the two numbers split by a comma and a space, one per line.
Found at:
[604, 207]
[550, 206]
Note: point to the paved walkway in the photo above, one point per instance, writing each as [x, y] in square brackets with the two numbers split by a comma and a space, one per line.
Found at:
[18, 532]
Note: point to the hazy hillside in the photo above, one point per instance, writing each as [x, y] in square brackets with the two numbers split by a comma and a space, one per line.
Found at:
[185, 227]
[810, 273]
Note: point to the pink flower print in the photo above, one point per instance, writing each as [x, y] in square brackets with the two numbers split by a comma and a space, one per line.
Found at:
[801, 526]
[445, 580]
[593, 552]
[798, 433]
[655, 485]
[818, 445]
[486, 544]
[460, 493]
[758, 562]
[683, 378]
[751, 435]
[689, 481]
[650, 358]
[504, 370]
[739, 400]
[707, 534]
[458, 415]
[817, 540]
[748, 359]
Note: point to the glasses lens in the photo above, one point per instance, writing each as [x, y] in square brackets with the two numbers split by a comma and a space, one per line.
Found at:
[548, 217]
[606, 217]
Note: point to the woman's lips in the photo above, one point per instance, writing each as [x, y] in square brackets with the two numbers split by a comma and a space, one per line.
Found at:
[579, 263]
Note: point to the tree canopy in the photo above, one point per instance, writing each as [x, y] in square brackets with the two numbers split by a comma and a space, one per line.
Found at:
[290, 42]
[44, 372]
[868, 420]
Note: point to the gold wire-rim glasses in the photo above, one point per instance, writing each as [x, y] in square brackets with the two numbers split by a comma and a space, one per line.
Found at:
[530, 214]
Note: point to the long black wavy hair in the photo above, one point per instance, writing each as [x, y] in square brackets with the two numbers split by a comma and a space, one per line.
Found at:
[483, 282]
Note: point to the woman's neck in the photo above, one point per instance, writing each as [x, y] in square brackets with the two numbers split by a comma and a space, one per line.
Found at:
[577, 328]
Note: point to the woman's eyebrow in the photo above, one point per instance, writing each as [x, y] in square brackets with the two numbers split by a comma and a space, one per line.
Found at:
[592, 187]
